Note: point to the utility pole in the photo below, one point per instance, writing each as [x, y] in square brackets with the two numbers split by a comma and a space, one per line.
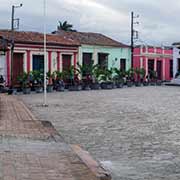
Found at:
[134, 34]
[132, 39]
[13, 20]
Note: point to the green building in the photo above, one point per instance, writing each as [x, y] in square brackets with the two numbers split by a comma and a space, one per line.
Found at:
[101, 49]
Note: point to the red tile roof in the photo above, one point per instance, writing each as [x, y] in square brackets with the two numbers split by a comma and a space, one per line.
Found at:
[91, 38]
[38, 38]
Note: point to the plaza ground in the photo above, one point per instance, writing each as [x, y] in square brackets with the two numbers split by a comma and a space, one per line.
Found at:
[134, 132]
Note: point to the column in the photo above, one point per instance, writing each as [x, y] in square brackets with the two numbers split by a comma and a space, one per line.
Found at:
[28, 61]
[8, 63]
[155, 64]
[49, 60]
[75, 59]
[141, 62]
[146, 61]
[58, 61]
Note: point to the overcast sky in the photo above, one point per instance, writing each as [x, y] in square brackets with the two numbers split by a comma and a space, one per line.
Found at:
[159, 19]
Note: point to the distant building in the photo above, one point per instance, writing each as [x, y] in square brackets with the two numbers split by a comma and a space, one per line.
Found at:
[176, 57]
[159, 59]
[3, 49]
[101, 49]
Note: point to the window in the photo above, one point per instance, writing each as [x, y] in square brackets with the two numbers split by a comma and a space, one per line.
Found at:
[87, 60]
[171, 68]
[123, 64]
[103, 60]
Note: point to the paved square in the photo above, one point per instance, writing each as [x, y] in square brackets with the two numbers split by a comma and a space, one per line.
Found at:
[135, 132]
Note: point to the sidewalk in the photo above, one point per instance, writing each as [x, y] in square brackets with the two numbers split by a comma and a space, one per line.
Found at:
[33, 150]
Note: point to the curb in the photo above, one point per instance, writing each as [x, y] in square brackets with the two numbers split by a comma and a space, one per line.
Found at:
[94, 166]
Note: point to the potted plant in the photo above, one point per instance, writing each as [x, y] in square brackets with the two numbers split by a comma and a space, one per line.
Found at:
[50, 78]
[137, 77]
[153, 78]
[107, 80]
[130, 77]
[118, 78]
[75, 83]
[25, 84]
[84, 72]
[96, 74]
[59, 82]
[37, 79]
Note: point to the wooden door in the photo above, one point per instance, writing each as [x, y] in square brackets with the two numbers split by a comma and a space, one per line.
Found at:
[123, 64]
[66, 62]
[159, 70]
[17, 67]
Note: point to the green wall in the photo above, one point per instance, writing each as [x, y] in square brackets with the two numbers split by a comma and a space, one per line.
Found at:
[115, 54]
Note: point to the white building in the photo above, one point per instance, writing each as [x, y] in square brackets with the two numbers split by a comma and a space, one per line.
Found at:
[176, 58]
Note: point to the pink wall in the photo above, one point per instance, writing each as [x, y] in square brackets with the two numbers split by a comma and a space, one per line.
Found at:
[157, 55]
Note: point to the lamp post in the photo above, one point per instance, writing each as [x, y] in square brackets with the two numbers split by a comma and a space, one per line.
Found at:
[12, 37]
[45, 58]
[133, 32]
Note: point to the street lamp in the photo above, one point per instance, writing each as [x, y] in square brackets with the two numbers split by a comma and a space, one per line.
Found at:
[12, 37]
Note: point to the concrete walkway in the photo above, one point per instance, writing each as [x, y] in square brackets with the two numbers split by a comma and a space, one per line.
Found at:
[33, 150]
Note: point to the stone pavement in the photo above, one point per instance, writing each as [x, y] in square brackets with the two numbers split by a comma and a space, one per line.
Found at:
[33, 150]
[135, 132]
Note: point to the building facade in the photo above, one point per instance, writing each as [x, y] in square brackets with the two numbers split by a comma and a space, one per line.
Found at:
[176, 58]
[29, 54]
[101, 49]
[159, 59]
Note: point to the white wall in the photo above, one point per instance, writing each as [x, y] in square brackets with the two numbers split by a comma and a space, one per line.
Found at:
[3, 69]
[176, 55]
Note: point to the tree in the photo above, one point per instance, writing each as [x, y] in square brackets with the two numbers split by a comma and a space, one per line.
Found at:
[65, 26]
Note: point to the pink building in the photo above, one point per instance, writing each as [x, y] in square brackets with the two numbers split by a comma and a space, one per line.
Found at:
[159, 59]
[29, 54]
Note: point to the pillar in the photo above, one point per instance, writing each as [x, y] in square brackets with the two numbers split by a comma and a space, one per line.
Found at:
[49, 60]
[8, 63]
[28, 61]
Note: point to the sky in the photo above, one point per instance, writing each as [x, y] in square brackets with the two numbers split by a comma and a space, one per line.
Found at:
[159, 22]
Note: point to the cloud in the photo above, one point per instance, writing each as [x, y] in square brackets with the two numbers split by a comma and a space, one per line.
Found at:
[159, 21]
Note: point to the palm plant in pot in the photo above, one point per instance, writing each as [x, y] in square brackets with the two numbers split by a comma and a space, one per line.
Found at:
[25, 83]
[85, 74]
[130, 77]
[73, 76]
[153, 78]
[59, 81]
[96, 74]
[137, 74]
[118, 78]
[50, 78]
[37, 77]
[107, 79]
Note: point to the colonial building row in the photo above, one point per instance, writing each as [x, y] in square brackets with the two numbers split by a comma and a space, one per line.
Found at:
[159, 59]
[63, 50]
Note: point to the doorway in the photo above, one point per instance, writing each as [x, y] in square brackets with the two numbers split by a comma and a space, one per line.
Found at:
[17, 67]
[38, 63]
[103, 60]
[159, 70]
[123, 64]
[66, 62]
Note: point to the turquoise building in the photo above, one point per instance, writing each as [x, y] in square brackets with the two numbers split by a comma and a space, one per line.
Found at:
[101, 49]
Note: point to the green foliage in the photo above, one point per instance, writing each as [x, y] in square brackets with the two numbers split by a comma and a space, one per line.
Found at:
[142, 73]
[107, 75]
[50, 75]
[65, 26]
[37, 77]
[130, 73]
[24, 80]
[119, 74]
